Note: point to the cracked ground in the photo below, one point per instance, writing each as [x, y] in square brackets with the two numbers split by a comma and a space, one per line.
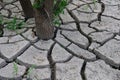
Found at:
[86, 46]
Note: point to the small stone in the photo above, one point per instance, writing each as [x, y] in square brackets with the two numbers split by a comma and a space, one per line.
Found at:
[101, 37]
[85, 29]
[69, 70]
[33, 56]
[81, 52]
[59, 54]
[30, 35]
[99, 70]
[44, 44]
[110, 52]
[11, 51]
[76, 37]
[9, 73]
[93, 46]
[66, 18]
[84, 17]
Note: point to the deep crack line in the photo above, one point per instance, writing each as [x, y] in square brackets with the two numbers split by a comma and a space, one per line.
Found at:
[72, 53]
[64, 61]
[82, 72]
[13, 58]
[102, 10]
[79, 29]
[52, 63]
[110, 16]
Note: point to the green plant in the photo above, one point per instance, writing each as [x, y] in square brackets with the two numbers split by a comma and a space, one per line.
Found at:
[94, 2]
[15, 68]
[1, 25]
[1, 20]
[14, 24]
[57, 21]
[59, 6]
[30, 70]
[58, 10]
[39, 4]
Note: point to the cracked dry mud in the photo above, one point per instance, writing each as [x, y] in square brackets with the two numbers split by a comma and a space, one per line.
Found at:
[86, 45]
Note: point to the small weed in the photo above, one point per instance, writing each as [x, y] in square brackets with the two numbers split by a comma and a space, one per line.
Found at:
[30, 70]
[94, 2]
[39, 4]
[14, 24]
[1, 20]
[57, 9]
[57, 22]
[1, 25]
[60, 8]
[15, 68]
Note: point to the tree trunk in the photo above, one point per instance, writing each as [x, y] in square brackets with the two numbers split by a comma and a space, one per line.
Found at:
[43, 19]
[27, 8]
[1, 0]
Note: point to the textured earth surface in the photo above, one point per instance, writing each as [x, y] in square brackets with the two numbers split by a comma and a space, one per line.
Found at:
[86, 46]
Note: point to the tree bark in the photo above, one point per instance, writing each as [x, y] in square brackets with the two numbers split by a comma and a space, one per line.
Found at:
[43, 19]
[1, 0]
[27, 8]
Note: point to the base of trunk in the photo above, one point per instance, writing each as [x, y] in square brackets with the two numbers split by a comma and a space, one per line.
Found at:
[44, 34]
[44, 27]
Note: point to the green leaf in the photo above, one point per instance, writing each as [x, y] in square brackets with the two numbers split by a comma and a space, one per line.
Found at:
[15, 68]
[38, 4]
[14, 24]
[1, 19]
